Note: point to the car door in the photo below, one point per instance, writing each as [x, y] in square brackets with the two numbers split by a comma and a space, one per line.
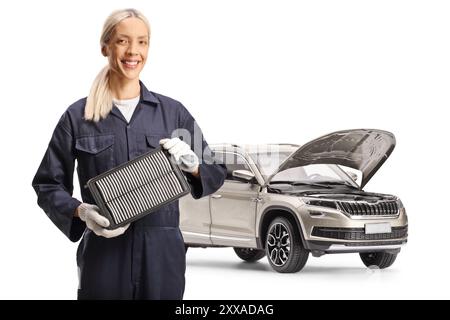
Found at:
[195, 219]
[233, 206]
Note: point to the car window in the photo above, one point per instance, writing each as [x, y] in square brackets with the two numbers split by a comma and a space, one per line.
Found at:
[268, 162]
[233, 162]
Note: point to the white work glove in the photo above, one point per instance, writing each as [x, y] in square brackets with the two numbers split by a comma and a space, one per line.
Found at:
[89, 213]
[184, 156]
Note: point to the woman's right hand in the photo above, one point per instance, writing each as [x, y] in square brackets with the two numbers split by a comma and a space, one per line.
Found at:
[90, 214]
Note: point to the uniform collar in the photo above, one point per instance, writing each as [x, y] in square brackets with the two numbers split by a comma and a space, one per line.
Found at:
[146, 95]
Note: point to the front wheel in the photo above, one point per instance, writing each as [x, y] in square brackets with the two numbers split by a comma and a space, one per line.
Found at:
[284, 247]
[381, 260]
[249, 254]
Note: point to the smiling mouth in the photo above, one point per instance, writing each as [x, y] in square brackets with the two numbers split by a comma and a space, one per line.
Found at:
[130, 64]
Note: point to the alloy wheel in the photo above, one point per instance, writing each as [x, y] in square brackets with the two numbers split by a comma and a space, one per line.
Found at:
[279, 244]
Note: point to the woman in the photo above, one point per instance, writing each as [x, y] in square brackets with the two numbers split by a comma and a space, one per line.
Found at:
[118, 121]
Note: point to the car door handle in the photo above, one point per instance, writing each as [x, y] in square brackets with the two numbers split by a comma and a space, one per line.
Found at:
[216, 196]
[256, 199]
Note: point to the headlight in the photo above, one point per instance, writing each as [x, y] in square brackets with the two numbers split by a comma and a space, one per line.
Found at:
[321, 203]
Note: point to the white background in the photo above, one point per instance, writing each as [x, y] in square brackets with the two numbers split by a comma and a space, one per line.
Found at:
[249, 71]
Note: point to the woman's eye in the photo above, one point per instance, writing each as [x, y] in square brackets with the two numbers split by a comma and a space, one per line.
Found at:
[122, 41]
[144, 42]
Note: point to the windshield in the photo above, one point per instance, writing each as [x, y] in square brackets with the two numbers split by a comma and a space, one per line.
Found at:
[268, 163]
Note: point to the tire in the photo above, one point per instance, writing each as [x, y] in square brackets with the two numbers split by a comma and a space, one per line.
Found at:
[381, 259]
[249, 254]
[283, 237]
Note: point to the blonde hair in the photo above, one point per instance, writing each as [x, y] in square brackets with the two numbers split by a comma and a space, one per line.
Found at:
[99, 100]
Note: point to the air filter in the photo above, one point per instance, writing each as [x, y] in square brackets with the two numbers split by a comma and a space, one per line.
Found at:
[138, 187]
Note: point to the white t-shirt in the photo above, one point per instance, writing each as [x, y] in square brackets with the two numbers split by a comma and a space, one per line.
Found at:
[127, 106]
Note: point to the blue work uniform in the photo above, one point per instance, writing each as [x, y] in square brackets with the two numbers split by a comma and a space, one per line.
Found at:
[148, 260]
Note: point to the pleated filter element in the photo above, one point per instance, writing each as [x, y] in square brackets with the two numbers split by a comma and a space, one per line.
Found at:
[134, 189]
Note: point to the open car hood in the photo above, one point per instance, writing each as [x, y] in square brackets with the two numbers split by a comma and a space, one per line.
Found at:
[362, 149]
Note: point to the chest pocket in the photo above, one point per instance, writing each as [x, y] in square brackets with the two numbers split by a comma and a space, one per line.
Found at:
[95, 154]
[153, 139]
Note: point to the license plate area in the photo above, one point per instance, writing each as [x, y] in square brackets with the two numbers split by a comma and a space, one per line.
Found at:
[375, 228]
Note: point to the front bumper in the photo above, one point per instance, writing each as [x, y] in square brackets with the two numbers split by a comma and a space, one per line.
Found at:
[333, 232]
[358, 234]
[319, 248]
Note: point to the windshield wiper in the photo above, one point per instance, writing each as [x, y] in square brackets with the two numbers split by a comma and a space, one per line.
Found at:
[299, 183]
[322, 184]
[341, 183]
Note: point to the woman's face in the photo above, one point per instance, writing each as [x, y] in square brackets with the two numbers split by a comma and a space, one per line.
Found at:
[128, 47]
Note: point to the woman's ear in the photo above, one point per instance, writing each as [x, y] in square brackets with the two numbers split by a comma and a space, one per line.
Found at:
[104, 51]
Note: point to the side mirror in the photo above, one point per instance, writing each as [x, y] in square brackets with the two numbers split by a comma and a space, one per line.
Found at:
[244, 175]
[352, 175]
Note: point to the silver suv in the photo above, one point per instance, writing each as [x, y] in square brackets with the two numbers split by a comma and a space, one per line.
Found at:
[286, 201]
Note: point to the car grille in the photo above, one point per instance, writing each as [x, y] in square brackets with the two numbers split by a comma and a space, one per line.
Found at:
[385, 208]
[358, 233]
[138, 187]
